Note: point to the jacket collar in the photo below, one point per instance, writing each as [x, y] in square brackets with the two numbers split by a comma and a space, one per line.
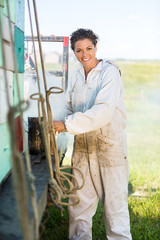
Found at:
[98, 67]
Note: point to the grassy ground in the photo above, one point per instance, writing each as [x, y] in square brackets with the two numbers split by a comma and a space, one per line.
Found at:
[142, 99]
[142, 85]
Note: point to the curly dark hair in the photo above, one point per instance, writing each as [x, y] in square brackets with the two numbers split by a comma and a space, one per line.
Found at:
[81, 34]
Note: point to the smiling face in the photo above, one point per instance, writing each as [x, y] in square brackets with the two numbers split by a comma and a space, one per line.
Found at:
[85, 52]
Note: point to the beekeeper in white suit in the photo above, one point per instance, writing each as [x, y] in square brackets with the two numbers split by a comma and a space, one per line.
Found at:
[97, 118]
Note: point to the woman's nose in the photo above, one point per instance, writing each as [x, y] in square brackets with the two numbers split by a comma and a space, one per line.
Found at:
[84, 53]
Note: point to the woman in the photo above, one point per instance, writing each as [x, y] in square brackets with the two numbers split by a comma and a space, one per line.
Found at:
[97, 118]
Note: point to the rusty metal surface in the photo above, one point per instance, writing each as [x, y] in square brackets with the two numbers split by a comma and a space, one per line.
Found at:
[9, 223]
[65, 62]
[35, 141]
[46, 38]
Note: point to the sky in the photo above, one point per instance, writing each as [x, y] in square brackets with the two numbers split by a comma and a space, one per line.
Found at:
[127, 29]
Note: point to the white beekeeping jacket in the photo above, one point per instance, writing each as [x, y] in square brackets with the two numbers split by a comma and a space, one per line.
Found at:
[93, 102]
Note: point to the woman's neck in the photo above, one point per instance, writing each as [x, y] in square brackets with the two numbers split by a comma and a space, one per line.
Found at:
[88, 69]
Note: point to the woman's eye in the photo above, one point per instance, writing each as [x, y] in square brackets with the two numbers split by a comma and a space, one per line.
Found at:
[89, 48]
[78, 51]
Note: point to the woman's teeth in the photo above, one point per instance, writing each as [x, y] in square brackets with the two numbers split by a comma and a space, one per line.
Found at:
[86, 59]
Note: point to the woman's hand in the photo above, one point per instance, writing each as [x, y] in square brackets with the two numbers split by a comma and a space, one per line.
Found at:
[59, 126]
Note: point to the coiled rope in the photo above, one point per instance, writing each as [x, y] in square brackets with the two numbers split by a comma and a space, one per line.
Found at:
[18, 172]
[59, 186]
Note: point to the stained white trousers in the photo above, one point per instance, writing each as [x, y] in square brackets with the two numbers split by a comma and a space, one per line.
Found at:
[106, 178]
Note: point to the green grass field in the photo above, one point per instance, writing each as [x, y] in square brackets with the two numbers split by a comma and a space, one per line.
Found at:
[142, 99]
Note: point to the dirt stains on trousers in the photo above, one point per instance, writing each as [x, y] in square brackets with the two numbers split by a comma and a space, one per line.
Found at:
[101, 155]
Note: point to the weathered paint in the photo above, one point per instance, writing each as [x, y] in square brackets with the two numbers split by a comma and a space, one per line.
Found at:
[9, 56]
[6, 42]
[20, 14]
[15, 89]
[5, 152]
[6, 29]
[3, 94]
[12, 7]
[18, 37]
[19, 48]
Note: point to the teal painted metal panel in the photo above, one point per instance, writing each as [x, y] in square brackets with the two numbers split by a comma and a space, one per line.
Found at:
[5, 152]
[20, 14]
[12, 7]
[19, 49]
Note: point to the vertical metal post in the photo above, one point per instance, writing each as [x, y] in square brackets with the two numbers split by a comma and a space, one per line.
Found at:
[65, 63]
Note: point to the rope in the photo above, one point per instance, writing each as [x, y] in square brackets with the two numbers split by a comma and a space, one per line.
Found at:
[34, 49]
[17, 164]
[18, 172]
[61, 177]
[42, 225]
[56, 186]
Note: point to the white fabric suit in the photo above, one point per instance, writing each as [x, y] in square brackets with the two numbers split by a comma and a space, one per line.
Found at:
[97, 118]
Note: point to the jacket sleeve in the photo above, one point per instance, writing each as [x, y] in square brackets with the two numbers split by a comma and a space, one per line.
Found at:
[103, 109]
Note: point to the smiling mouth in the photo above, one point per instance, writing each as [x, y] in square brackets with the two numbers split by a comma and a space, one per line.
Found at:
[85, 60]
